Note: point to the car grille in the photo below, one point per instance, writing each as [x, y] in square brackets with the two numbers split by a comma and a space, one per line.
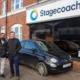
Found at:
[63, 61]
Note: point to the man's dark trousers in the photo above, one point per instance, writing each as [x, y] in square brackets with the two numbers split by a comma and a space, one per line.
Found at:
[14, 61]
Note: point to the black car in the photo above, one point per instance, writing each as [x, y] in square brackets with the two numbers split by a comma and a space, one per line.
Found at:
[69, 46]
[40, 55]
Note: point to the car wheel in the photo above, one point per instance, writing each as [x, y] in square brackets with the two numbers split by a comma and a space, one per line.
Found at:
[42, 69]
[20, 62]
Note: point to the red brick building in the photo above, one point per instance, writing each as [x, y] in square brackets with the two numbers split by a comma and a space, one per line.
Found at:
[13, 17]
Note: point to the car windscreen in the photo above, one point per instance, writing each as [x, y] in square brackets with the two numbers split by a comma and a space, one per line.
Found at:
[73, 45]
[47, 46]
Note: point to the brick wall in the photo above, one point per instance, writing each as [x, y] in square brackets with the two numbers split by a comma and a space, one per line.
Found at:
[25, 3]
[19, 18]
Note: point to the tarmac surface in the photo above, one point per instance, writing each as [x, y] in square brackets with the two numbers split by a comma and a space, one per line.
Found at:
[31, 74]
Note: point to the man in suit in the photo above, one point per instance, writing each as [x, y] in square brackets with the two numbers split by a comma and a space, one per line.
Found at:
[13, 49]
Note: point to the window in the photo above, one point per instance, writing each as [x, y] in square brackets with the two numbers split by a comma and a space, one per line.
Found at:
[17, 28]
[16, 4]
[42, 0]
[4, 7]
[42, 46]
[3, 29]
[29, 45]
[22, 43]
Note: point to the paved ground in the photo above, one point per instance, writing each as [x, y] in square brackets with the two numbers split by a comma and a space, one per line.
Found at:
[30, 74]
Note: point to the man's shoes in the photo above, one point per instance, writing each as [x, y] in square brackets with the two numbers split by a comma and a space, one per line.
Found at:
[11, 76]
[17, 78]
[2, 75]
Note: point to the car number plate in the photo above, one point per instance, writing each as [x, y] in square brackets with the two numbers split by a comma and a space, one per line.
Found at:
[66, 65]
[78, 53]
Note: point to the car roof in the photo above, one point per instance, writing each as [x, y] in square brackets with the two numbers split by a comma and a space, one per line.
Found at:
[34, 40]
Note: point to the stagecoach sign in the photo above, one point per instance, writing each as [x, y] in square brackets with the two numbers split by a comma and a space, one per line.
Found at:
[54, 11]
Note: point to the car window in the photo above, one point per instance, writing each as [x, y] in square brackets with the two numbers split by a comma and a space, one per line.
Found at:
[22, 43]
[47, 46]
[29, 45]
[42, 45]
[72, 44]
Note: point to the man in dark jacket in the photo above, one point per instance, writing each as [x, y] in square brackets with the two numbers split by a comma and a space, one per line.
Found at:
[13, 49]
[3, 50]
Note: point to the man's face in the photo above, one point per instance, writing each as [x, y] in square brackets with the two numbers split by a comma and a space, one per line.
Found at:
[2, 35]
[12, 35]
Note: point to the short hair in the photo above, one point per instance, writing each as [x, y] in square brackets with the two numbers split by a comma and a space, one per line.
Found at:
[12, 32]
[2, 33]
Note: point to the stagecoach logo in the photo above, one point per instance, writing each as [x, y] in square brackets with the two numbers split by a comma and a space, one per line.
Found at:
[68, 8]
[34, 15]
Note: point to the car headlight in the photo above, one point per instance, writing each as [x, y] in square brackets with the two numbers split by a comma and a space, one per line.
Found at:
[70, 57]
[54, 60]
[53, 65]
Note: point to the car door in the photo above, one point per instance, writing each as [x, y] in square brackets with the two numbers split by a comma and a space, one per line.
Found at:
[28, 55]
[21, 51]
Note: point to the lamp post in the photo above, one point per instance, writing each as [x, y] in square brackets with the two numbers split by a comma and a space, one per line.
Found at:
[6, 17]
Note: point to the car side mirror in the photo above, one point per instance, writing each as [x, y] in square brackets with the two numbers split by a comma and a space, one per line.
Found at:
[33, 50]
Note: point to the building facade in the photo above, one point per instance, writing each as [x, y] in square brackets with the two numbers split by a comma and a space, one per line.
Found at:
[13, 17]
[58, 22]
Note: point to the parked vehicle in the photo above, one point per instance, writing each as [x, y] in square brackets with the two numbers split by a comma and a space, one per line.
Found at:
[40, 55]
[68, 46]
